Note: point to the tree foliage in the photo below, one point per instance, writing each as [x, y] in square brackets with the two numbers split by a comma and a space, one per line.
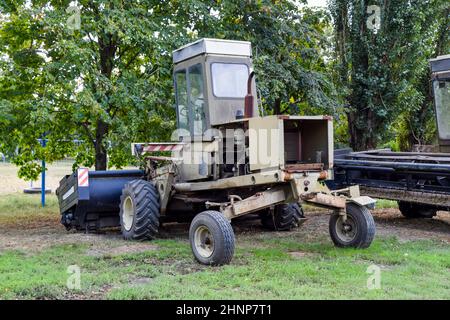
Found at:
[92, 90]
[288, 45]
[416, 125]
[104, 85]
[109, 83]
[380, 70]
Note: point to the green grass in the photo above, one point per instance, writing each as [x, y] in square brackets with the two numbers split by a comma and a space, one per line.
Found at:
[263, 268]
[386, 204]
[412, 270]
[409, 270]
[17, 206]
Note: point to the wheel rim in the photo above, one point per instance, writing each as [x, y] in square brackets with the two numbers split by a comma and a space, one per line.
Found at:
[128, 213]
[204, 241]
[346, 230]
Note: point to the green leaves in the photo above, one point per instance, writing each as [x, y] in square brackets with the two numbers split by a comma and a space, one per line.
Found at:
[287, 43]
[62, 82]
[381, 70]
[94, 90]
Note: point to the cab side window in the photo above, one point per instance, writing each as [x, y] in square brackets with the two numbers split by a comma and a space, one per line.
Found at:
[197, 99]
[182, 100]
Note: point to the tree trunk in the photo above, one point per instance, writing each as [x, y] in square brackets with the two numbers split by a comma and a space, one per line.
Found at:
[101, 162]
[362, 137]
[277, 106]
[341, 40]
[107, 47]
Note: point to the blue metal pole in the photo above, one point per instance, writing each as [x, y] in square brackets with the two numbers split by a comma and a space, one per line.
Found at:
[43, 141]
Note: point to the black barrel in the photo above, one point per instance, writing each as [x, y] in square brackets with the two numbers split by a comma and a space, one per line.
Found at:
[89, 200]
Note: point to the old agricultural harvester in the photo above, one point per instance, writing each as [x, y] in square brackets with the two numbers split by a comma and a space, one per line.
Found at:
[226, 161]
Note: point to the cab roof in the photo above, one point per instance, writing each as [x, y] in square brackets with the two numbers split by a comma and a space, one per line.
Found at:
[441, 63]
[213, 46]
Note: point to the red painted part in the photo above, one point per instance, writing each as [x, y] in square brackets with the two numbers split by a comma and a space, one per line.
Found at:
[83, 177]
[162, 147]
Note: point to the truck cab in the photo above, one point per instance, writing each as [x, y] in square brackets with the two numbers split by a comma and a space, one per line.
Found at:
[440, 68]
[210, 77]
[223, 132]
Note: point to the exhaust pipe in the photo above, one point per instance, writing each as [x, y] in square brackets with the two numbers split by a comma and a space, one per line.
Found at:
[249, 98]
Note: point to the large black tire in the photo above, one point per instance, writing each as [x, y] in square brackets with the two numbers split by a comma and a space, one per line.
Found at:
[139, 210]
[416, 210]
[212, 238]
[284, 217]
[357, 232]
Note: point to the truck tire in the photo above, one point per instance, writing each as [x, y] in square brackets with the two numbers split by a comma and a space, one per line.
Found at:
[357, 232]
[415, 210]
[212, 238]
[285, 217]
[139, 210]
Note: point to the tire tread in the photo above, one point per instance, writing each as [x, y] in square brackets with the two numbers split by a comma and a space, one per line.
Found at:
[365, 221]
[147, 210]
[225, 229]
[285, 218]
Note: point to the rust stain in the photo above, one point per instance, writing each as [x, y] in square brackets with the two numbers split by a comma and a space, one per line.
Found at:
[323, 175]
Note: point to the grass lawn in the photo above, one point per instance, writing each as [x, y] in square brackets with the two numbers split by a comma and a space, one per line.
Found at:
[264, 267]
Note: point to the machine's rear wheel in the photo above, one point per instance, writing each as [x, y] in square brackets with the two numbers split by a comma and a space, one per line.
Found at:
[284, 217]
[212, 238]
[139, 210]
[415, 210]
[357, 231]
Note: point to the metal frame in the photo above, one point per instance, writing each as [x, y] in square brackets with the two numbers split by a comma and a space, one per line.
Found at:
[186, 65]
[401, 176]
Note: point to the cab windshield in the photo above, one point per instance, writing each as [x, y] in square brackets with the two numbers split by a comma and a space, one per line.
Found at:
[441, 90]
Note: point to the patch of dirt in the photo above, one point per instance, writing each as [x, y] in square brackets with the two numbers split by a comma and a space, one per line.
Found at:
[299, 254]
[390, 222]
[177, 266]
[98, 294]
[140, 281]
[38, 234]
[130, 247]
[30, 224]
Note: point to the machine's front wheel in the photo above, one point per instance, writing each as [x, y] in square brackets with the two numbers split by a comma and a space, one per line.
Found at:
[357, 231]
[415, 210]
[139, 210]
[212, 238]
[284, 217]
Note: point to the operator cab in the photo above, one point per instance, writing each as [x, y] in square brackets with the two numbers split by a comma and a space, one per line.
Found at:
[440, 68]
[210, 77]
